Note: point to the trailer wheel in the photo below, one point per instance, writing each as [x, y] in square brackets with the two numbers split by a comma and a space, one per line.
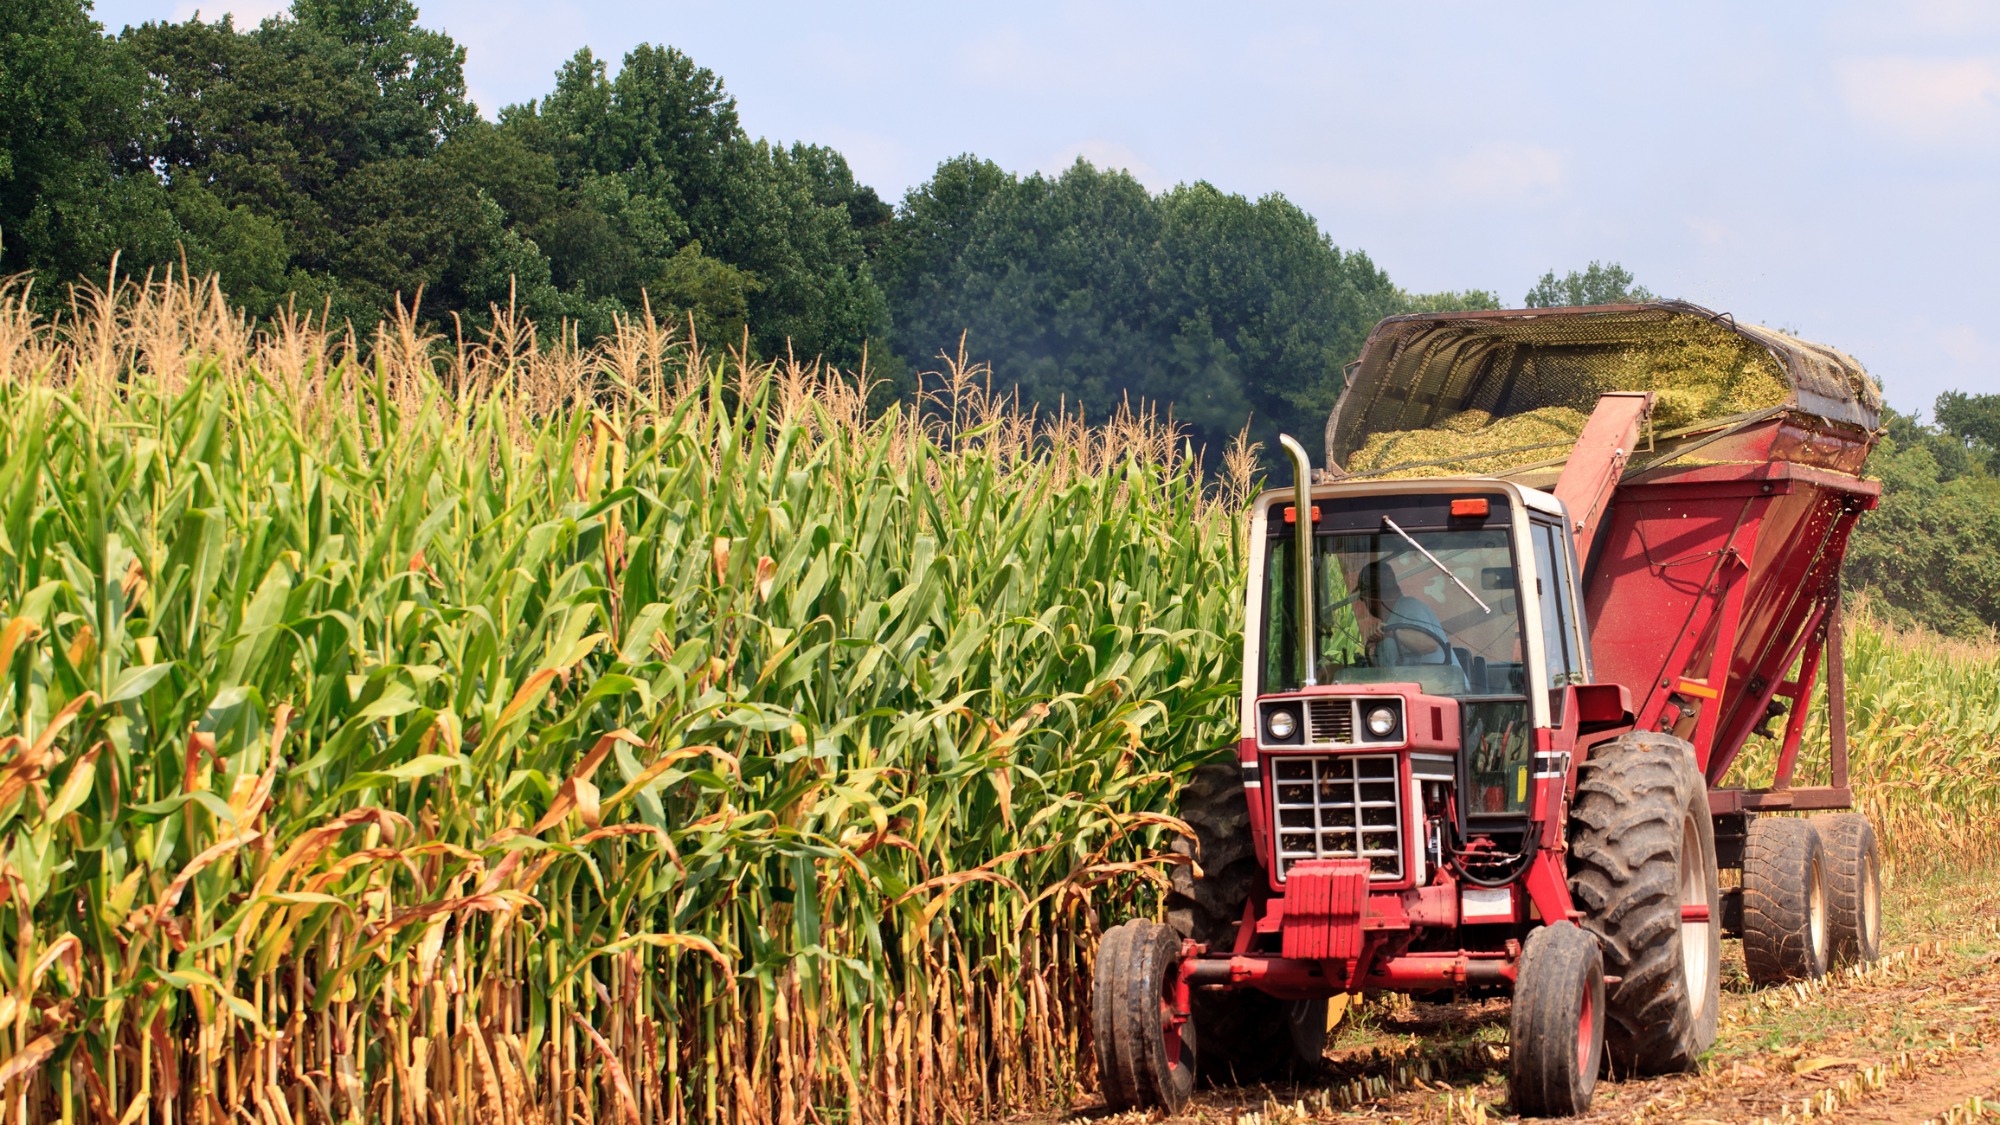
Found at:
[1785, 925]
[1642, 848]
[1145, 1052]
[1557, 1029]
[1247, 1036]
[1853, 887]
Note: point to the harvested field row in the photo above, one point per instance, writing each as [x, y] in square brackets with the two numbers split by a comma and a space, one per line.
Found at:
[1914, 1038]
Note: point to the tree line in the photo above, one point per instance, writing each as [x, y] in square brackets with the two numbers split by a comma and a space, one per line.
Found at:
[1931, 553]
[329, 160]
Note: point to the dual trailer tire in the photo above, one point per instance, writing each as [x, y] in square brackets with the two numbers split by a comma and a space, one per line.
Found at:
[1812, 896]
[1853, 887]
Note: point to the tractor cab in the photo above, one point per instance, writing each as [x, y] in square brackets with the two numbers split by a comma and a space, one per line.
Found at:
[1444, 625]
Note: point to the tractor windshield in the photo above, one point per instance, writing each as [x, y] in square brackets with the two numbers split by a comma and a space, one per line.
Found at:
[1400, 602]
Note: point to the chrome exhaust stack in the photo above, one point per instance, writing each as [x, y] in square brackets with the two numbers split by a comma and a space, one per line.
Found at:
[1308, 631]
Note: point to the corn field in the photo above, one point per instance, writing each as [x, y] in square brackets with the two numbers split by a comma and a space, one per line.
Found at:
[1924, 729]
[432, 731]
[507, 732]
[1923, 715]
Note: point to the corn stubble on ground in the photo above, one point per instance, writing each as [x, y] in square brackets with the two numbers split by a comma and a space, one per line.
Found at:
[1915, 1038]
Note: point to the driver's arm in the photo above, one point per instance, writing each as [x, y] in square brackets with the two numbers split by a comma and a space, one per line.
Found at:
[1416, 639]
[1422, 634]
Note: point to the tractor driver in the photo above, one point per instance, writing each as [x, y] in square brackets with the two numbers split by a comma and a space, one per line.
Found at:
[1406, 631]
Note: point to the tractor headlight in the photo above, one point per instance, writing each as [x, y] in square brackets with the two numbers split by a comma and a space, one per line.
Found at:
[1382, 722]
[1282, 725]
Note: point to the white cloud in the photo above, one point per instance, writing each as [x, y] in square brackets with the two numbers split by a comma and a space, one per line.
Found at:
[1708, 231]
[1487, 175]
[1963, 344]
[1916, 19]
[1099, 53]
[1924, 99]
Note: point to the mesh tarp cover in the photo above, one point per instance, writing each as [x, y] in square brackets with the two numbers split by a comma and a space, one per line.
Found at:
[1416, 371]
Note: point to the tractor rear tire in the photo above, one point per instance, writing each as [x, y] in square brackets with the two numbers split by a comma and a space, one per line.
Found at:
[1642, 846]
[1208, 908]
[1556, 1032]
[1143, 1060]
[1785, 925]
[1853, 887]
[1246, 1035]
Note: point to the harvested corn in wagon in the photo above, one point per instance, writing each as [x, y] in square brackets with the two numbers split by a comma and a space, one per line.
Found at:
[1696, 374]
[1699, 375]
[1471, 442]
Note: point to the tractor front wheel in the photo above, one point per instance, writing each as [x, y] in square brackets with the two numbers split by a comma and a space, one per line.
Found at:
[1557, 1033]
[1145, 1046]
[1786, 935]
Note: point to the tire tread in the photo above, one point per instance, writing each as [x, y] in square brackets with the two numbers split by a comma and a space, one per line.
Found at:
[1625, 836]
[1777, 936]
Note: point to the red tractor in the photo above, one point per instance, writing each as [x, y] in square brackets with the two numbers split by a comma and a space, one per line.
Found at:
[1486, 719]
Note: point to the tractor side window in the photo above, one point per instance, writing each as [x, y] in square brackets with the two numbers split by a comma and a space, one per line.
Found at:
[1561, 658]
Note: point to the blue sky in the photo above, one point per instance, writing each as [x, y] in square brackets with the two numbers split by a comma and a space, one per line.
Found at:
[1830, 168]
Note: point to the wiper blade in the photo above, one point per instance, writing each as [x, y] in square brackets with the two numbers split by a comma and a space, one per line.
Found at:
[1442, 569]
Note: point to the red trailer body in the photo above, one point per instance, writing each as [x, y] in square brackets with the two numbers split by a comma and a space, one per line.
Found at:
[1714, 581]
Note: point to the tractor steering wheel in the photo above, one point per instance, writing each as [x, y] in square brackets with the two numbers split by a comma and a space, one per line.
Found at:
[1402, 651]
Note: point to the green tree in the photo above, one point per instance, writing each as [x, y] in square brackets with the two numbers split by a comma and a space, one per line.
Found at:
[74, 184]
[1597, 284]
[664, 198]
[1451, 300]
[332, 156]
[1085, 289]
[1291, 308]
[1974, 420]
[833, 185]
[1928, 553]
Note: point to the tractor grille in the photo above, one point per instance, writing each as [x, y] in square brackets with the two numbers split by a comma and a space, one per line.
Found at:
[1330, 720]
[1338, 807]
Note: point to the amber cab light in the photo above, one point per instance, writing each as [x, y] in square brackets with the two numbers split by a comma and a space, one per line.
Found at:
[1477, 506]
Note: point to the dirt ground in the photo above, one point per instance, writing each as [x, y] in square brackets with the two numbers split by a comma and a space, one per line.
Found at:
[1913, 1038]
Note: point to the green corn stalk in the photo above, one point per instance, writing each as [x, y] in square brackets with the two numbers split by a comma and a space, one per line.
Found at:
[507, 733]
